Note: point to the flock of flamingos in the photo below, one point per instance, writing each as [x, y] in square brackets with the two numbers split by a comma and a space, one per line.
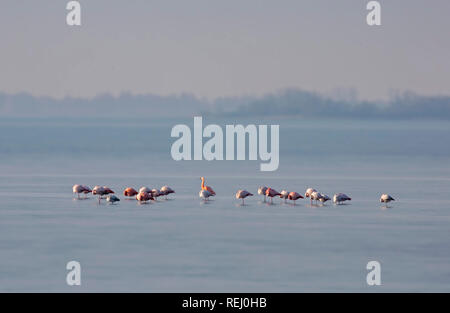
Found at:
[146, 194]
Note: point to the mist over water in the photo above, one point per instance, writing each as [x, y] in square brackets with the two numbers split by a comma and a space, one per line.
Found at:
[183, 244]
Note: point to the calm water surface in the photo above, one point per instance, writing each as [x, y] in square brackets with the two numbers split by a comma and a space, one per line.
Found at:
[183, 244]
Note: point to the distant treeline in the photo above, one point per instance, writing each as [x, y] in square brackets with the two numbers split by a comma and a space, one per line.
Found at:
[291, 102]
[302, 103]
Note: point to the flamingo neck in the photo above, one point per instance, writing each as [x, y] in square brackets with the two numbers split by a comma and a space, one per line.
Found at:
[203, 183]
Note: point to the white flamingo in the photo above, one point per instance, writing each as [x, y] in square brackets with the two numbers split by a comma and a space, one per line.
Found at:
[309, 191]
[78, 189]
[324, 198]
[312, 194]
[242, 194]
[317, 196]
[284, 195]
[166, 190]
[262, 191]
[156, 193]
[386, 198]
[340, 197]
[100, 191]
[145, 189]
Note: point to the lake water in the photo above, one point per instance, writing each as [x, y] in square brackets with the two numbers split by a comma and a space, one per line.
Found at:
[186, 245]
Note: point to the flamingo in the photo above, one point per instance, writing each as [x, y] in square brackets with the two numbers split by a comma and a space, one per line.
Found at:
[86, 190]
[205, 194]
[112, 199]
[78, 189]
[100, 191]
[262, 191]
[284, 195]
[204, 187]
[340, 197]
[309, 191]
[166, 190]
[294, 196]
[313, 196]
[156, 193]
[144, 197]
[323, 198]
[386, 198]
[108, 190]
[317, 196]
[242, 194]
[272, 193]
[145, 189]
[130, 192]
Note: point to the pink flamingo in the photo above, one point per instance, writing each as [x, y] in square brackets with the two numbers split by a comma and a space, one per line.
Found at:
[272, 193]
[294, 196]
[207, 188]
[86, 190]
[101, 191]
[144, 197]
[130, 192]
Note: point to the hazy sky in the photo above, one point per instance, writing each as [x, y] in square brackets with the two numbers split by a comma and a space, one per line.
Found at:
[214, 48]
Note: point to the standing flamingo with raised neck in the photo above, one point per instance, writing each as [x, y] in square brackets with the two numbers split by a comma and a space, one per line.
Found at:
[207, 188]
